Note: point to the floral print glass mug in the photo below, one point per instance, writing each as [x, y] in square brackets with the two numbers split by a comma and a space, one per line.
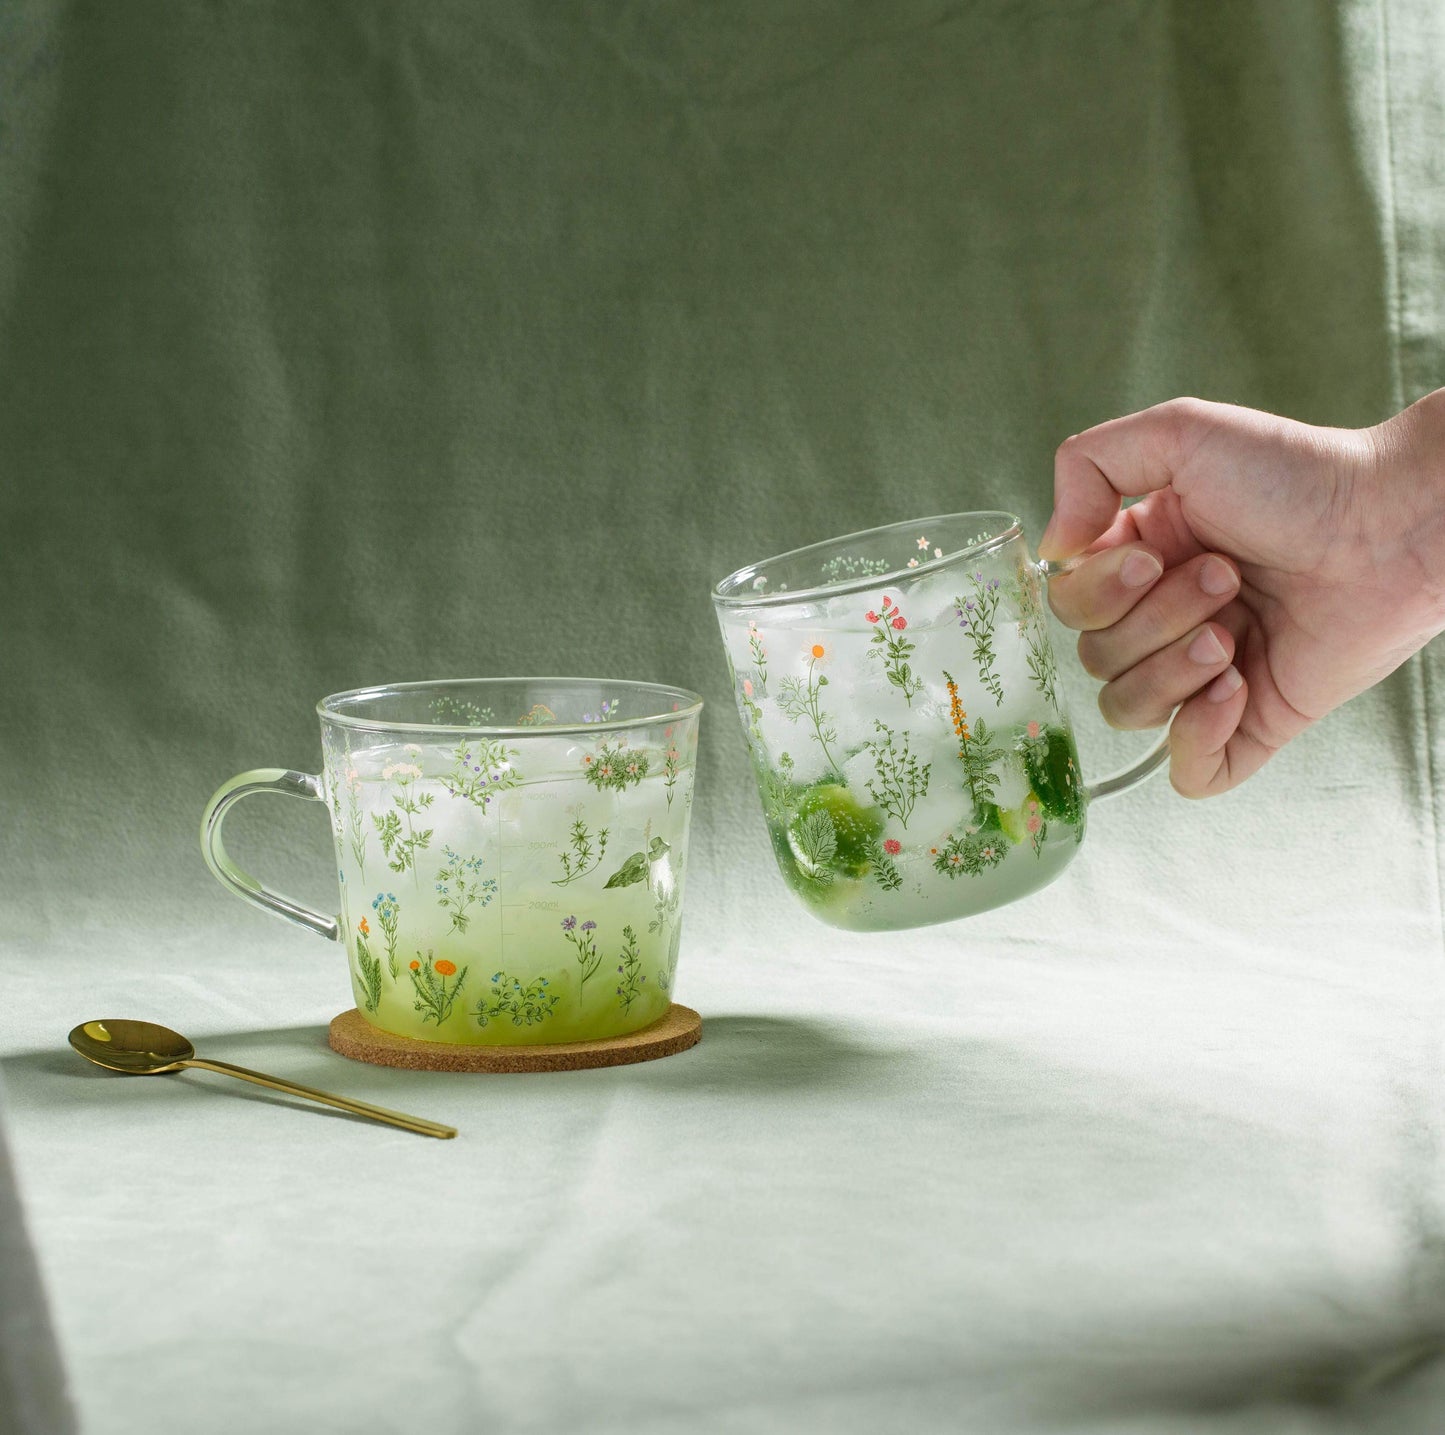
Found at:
[511, 853]
[900, 703]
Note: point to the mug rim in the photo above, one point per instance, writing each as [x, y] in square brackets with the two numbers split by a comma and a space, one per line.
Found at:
[727, 593]
[328, 710]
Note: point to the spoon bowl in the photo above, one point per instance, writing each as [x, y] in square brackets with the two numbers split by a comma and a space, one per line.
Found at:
[140, 1048]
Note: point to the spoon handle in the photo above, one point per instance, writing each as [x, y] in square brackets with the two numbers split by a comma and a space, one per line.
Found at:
[344, 1103]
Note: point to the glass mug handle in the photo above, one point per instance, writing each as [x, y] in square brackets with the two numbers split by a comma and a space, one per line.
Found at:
[1152, 760]
[230, 876]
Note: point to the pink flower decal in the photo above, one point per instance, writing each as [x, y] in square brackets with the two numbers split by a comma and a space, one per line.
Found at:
[892, 846]
[900, 622]
[1033, 729]
[748, 687]
[870, 616]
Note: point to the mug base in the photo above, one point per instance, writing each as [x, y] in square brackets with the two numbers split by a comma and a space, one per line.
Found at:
[351, 1035]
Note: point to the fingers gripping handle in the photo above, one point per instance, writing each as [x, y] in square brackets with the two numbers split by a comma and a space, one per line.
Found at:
[230, 876]
[1152, 760]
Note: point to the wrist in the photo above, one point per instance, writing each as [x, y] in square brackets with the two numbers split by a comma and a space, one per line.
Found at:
[1403, 505]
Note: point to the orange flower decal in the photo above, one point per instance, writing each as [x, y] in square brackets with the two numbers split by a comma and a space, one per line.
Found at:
[364, 929]
[415, 966]
[955, 710]
[445, 968]
[817, 650]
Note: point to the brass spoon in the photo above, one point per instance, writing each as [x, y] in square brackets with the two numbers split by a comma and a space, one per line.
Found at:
[141, 1048]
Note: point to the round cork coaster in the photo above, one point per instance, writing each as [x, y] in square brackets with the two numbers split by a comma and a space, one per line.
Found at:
[352, 1035]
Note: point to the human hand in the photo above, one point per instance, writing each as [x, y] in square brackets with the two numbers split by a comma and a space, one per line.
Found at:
[1271, 571]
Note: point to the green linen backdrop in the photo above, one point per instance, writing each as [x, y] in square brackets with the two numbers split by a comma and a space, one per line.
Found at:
[344, 343]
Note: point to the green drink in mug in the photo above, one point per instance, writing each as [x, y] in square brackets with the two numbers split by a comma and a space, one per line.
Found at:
[900, 703]
[511, 853]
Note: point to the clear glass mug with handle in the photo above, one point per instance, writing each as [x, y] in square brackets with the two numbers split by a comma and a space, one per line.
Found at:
[511, 853]
[900, 703]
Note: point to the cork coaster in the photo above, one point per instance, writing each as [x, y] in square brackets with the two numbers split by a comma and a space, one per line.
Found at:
[352, 1035]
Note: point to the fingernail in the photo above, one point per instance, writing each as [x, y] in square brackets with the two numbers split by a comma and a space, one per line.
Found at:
[1224, 686]
[1207, 649]
[1217, 578]
[1139, 568]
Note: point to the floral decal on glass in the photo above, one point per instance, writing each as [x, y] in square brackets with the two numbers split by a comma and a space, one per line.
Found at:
[637, 867]
[523, 1005]
[799, 700]
[760, 659]
[899, 779]
[972, 853]
[1034, 629]
[584, 851]
[481, 769]
[613, 768]
[437, 985]
[975, 750]
[400, 841]
[881, 855]
[585, 944]
[629, 969]
[606, 712]
[369, 967]
[892, 649]
[388, 914]
[461, 886]
[976, 616]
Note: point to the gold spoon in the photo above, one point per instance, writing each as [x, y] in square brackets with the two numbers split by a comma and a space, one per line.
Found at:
[141, 1048]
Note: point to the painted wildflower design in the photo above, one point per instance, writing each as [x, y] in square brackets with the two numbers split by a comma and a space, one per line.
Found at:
[388, 914]
[527, 1005]
[748, 709]
[637, 867]
[606, 712]
[847, 566]
[666, 974]
[460, 886]
[899, 780]
[760, 657]
[814, 840]
[613, 767]
[976, 615]
[538, 715]
[460, 712]
[972, 854]
[923, 548]
[975, 750]
[400, 841]
[629, 969]
[880, 855]
[1034, 628]
[671, 761]
[437, 985]
[1035, 826]
[779, 789]
[666, 899]
[355, 817]
[798, 699]
[892, 649]
[481, 768]
[584, 851]
[588, 958]
[369, 966]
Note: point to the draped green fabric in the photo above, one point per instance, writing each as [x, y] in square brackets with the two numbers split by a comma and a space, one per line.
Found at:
[356, 342]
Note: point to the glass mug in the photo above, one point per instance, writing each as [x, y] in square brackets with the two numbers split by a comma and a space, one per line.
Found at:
[511, 853]
[900, 703]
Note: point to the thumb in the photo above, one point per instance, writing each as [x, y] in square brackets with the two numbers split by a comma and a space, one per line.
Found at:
[1125, 457]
